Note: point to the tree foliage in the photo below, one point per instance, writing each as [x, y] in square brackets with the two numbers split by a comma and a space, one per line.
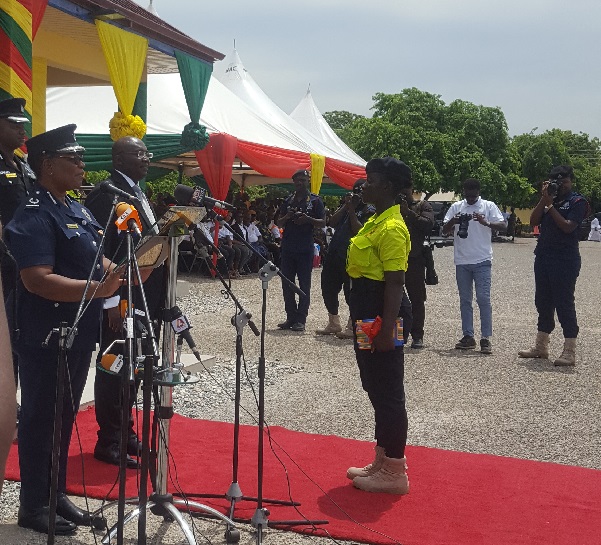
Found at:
[540, 152]
[442, 143]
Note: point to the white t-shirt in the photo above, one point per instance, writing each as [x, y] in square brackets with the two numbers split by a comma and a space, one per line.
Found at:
[477, 247]
[252, 232]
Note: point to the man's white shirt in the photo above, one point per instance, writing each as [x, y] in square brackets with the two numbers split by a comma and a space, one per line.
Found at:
[477, 247]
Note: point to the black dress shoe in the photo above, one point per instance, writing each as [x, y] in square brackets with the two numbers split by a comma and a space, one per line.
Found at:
[297, 326]
[69, 511]
[134, 446]
[39, 520]
[285, 325]
[110, 455]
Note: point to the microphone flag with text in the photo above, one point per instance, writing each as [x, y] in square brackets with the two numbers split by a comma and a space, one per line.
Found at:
[197, 196]
[128, 218]
[181, 325]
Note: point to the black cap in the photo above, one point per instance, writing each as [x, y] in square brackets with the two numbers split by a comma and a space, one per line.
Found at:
[301, 172]
[13, 109]
[394, 169]
[61, 140]
[561, 171]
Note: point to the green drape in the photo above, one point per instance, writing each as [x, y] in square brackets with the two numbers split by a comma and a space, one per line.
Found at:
[195, 76]
[98, 148]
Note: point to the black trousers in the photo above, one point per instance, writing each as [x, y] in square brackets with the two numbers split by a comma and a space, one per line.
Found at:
[382, 373]
[333, 279]
[415, 283]
[38, 370]
[297, 265]
[555, 280]
[107, 387]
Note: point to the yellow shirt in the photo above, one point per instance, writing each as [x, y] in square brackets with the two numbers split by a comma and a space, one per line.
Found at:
[382, 245]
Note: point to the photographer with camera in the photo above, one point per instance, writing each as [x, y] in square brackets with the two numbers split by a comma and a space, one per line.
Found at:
[557, 263]
[419, 218]
[472, 220]
[347, 220]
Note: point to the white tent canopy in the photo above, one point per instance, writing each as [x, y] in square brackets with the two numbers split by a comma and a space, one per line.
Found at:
[239, 81]
[308, 115]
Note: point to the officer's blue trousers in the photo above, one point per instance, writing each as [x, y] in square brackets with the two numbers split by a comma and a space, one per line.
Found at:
[37, 370]
[555, 278]
[297, 265]
[382, 373]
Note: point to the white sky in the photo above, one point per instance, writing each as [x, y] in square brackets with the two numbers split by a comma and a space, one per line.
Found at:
[538, 60]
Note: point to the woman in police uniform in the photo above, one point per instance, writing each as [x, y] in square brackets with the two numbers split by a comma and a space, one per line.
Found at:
[557, 263]
[376, 262]
[54, 241]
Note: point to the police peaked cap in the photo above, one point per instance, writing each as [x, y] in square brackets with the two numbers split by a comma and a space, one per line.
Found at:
[61, 140]
[13, 109]
[301, 173]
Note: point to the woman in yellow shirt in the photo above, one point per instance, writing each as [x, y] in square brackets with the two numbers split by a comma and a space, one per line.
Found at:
[376, 263]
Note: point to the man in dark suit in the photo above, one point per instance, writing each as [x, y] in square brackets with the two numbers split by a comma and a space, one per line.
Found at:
[130, 165]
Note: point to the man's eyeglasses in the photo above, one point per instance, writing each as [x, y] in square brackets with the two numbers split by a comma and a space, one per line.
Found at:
[75, 159]
[140, 154]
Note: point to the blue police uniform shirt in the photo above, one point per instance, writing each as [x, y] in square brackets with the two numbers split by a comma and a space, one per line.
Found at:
[572, 207]
[46, 232]
[299, 238]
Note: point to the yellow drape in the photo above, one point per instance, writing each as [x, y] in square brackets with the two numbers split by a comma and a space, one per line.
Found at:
[318, 164]
[40, 82]
[125, 55]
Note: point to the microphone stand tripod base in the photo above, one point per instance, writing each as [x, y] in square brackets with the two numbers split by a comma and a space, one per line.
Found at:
[164, 505]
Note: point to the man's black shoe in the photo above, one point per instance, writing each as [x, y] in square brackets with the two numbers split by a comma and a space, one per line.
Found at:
[297, 326]
[110, 455]
[134, 446]
[69, 511]
[417, 343]
[485, 346]
[39, 520]
[467, 343]
[285, 325]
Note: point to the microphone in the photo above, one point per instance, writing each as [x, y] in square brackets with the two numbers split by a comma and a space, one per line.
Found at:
[107, 187]
[197, 196]
[128, 218]
[181, 326]
[112, 363]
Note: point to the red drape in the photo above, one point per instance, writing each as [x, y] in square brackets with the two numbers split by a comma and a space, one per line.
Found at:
[37, 14]
[272, 162]
[343, 174]
[216, 161]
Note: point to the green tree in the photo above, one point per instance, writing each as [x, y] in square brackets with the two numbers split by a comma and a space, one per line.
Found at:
[538, 153]
[443, 144]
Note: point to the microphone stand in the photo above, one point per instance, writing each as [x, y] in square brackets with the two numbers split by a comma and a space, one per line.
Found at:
[234, 493]
[160, 502]
[66, 336]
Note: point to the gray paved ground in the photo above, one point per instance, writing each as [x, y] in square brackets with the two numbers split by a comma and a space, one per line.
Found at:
[495, 404]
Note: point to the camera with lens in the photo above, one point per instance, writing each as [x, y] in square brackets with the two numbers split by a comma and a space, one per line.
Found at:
[554, 185]
[464, 224]
[355, 196]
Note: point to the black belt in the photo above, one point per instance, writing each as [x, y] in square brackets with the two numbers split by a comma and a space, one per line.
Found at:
[366, 284]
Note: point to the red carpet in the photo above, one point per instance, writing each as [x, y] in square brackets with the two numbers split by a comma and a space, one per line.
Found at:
[456, 498]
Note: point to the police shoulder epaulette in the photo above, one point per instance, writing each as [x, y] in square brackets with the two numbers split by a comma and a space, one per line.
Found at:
[32, 203]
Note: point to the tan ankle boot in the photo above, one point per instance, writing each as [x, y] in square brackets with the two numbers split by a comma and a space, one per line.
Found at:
[540, 348]
[568, 356]
[332, 327]
[348, 331]
[391, 478]
[353, 472]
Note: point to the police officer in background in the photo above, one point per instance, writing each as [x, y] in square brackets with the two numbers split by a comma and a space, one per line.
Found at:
[419, 218]
[131, 160]
[54, 241]
[300, 213]
[557, 261]
[16, 179]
